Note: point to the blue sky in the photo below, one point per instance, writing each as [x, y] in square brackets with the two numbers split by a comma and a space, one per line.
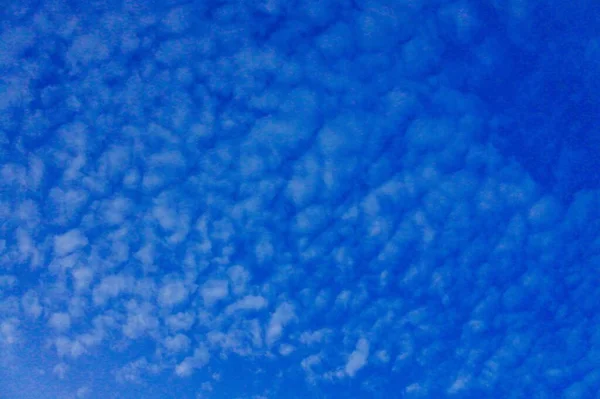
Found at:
[299, 199]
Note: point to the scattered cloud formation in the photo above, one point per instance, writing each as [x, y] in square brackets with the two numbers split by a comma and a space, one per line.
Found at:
[299, 199]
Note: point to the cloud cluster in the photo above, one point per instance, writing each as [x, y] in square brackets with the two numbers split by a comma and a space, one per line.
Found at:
[322, 198]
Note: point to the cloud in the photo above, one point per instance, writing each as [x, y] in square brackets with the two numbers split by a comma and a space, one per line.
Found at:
[181, 321]
[249, 302]
[282, 316]
[172, 293]
[357, 359]
[286, 349]
[60, 370]
[392, 192]
[239, 279]
[310, 362]
[60, 321]
[83, 392]
[31, 304]
[83, 277]
[213, 291]
[198, 360]
[69, 242]
[315, 337]
[110, 287]
[140, 319]
[135, 371]
[66, 347]
[9, 333]
[177, 343]
[544, 212]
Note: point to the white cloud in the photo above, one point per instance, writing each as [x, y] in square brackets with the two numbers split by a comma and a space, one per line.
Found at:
[86, 49]
[61, 321]
[68, 347]
[60, 370]
[334, 177]
[7, 281]
[146, 254]
[172, 293]
[134, 371]
[83, 392]
[26, 246]
[176, 21]
[544, 212]
[286, 349]
[116, 210]
[309, 362]
[181, 321]
[283, 315]
[213, 291]
[357, 359]
[68, 242]
[343, 298]
[242, 338]
[83, 276]
[383, 356]
[177, 343]
[460, 384]
[110, 287]
[198, 360]
[315, 337]
[66, 204]
[239, 279]
[8, 331]
[141, 319]
[249, 302]
[31, 304]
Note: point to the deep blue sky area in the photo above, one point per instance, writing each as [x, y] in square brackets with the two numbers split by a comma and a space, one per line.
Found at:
[299, 199]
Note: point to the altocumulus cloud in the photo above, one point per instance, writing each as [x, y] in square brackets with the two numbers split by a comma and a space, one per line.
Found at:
[264, 199]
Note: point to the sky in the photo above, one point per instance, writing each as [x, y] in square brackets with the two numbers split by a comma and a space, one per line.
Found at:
[299, 199]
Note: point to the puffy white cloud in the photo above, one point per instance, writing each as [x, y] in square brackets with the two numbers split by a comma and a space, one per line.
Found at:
[383, 356]
[69, 348]
[198, 360]
[85, 50]
[177, 343]
[60, 321]
[135, 371]
[286, 349]
[544, 212]
[60, 370]
[68, 242]
[242, 338]
[110, 287]
[83, 392]
[9, 333]
[311, 361]
[460, 384]
[239, 279]
[357, 359]
[283, 315]
[181, 321]
[213, 291]
[7, 281]
[172, 293]
[83, 276]
[141, 319]
[177, 20]
[31, 304]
